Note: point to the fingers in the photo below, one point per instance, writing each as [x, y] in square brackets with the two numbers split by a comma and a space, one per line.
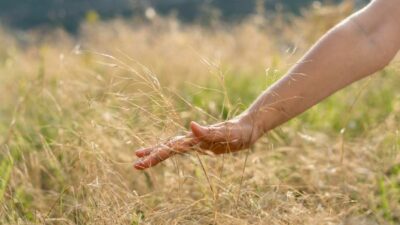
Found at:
[219, 138]
[157, 156]
[143, 152]
[154, 155]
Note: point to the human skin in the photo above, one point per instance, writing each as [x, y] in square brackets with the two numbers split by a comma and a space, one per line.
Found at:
[360, 45]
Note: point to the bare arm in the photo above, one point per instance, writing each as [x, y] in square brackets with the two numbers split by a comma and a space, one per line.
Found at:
[359, 46]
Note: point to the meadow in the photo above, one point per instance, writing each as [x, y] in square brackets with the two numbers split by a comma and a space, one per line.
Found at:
[75, 107]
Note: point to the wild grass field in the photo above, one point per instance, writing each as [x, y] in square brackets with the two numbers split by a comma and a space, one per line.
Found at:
[74, 109]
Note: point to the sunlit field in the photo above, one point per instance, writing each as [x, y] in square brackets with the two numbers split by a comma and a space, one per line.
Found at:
[75, 107]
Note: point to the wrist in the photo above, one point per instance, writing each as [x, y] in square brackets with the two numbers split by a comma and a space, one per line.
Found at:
[263, 120]
[256, 124]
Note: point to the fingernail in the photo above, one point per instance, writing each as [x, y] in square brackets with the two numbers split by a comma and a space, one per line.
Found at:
[139, 167]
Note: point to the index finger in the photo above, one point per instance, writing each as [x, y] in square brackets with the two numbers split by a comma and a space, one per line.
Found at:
[154, 155]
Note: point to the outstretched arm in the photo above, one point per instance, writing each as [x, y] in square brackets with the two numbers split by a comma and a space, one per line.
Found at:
[359, 46]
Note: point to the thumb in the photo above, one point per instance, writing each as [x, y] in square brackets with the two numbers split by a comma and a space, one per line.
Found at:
[198, 130]
[209, 133]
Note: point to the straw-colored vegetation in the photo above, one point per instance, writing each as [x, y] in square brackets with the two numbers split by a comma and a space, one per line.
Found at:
[74, 109]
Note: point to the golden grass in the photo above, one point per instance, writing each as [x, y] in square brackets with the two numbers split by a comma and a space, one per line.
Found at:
[74, 109]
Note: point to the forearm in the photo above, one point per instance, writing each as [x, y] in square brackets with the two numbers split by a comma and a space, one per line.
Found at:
[352, 50]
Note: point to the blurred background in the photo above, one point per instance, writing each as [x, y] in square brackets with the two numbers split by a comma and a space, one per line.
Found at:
[69, 13]
[83, 83]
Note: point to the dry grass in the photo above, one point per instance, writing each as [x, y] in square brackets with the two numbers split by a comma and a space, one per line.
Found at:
[74, 109]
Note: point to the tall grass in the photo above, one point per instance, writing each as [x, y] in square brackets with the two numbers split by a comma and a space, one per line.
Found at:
[75, 108]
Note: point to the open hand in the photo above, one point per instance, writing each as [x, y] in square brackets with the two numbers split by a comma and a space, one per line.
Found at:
[225, 137]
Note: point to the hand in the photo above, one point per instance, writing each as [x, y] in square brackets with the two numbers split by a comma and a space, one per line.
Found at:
[225, 137]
